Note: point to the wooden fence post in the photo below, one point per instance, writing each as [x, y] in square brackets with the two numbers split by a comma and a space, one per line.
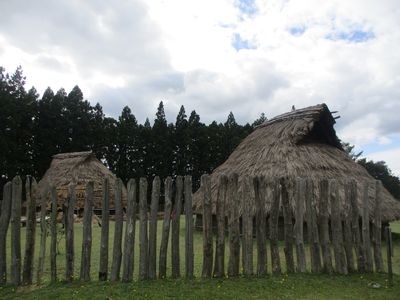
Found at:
[273, 227]
[312, 227]
[176, 214]
[234, 229]
[219, 266]
[247, 226]
[16, 231]
[369, 267]
[347, 233]
[87, 233]
[43, 232]
[389, 247]
[207, 227]
[162, 272]
[299, 224]
[324, 225]
[30, 231]
[117, 248]
[355, 227]
[337, 230]
[4, 223]
[377, 228]
[128, 259]
[53, 247]
[155, 196]
[288, 224]
[143, 238]
[189, 254]
[105, 216]
[261, 226]
[69, 234]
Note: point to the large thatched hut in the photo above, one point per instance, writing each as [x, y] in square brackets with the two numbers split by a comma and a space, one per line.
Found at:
[79, 168]
[300, 143]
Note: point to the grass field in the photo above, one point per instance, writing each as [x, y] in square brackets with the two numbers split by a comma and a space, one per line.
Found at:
[292, 286]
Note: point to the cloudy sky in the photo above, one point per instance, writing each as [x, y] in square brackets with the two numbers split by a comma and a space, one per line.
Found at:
[217, 56]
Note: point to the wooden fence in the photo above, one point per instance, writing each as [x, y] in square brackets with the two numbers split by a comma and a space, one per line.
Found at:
[354, 247]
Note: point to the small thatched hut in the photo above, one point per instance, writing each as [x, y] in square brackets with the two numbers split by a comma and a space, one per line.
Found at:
[300, 143]
[79, 168]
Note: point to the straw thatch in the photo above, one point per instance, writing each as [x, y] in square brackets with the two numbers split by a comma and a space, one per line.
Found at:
[301, 143]
[79, 168]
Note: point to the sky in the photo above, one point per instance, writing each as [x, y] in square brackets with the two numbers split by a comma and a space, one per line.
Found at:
[217, 56]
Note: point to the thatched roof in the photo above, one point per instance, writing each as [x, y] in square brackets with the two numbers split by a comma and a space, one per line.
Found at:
[79, 168]
[301, 143]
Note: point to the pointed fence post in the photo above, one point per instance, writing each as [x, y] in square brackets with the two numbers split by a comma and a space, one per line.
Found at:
[273, 226]
[207, 227]
[105, 219]
[234, 229]
[261, 225]
[337, 230]
[324, 225]
[128, 258]
[87, 233]
[53, 229]
[155, 196]
[143, 237]
[377, 228]
[366, 237]
[162, 271]
[189, 253]
[4, 224]
[355, 227]
[219, 266]
[176, 215]
[30, 231]
[16, 231]
[347, 232]
[288, 224]
[69, 234]
[247, 226]
[299, 224]
[312, 227]
[117, 248]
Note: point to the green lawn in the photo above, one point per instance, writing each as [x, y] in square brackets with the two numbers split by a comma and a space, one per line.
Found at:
[293, 286]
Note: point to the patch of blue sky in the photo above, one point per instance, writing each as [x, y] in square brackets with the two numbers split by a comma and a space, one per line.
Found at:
[297, 30]
[355, 36]
[238, 43]
[247, 7]
[394, 142]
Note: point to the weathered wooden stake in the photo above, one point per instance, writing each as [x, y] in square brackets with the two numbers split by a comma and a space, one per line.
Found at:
[219, 266]
[176, 214]
[207, 227]
[261, 229]
[117, 248]
[30, 232]
[16, 231]
[389, 247]
[288, 225]
[4, 223]
[53, 229]
[128, 259]
[273, 227]
[69, 234]
[312, 228]
[165, 230]
[377, 228]
[347, 232]
[247, 226]
[337, 230]
[355, 227]
[234, 229]
[105, 216]
[43, 233]
[155, 196]
[143, 238]
[324, 225]
[87, 233]
[369, 267]
[298, 226]
[189, 253]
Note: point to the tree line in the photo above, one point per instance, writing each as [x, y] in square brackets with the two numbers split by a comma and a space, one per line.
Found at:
[34, 128]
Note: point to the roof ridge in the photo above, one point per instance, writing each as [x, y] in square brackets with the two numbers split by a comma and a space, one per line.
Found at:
[72, 154]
